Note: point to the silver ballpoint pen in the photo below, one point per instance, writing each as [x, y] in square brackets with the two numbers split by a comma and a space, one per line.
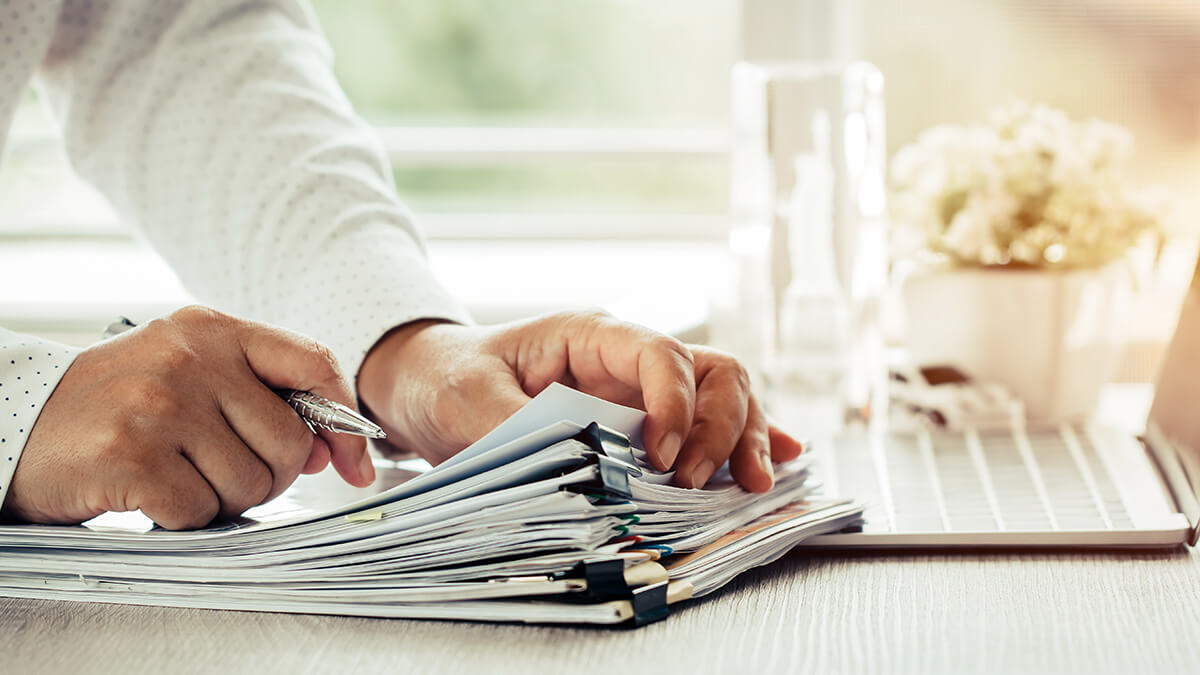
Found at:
[315, 410]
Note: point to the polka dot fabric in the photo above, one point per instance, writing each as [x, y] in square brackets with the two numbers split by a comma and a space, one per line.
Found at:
[26, 27]
[29, 371]
[217, 128]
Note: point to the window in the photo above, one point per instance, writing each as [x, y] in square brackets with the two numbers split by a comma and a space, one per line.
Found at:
[515, 118]
[538, 120]
[561, 124]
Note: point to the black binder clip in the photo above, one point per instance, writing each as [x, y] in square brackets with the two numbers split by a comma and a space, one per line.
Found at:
[613, 472]
[611, 484]
[649, 604]
[611, 444]
[605, 579]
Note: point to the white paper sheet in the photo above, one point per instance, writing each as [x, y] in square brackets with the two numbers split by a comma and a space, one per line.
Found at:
[558, 403]
[508, 505]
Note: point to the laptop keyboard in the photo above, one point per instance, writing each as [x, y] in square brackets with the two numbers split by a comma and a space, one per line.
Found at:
[979, 482]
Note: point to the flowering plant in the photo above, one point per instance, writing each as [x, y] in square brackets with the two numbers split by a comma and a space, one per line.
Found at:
[1029, 189]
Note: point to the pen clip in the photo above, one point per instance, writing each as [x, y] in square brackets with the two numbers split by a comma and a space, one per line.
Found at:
[120, 325]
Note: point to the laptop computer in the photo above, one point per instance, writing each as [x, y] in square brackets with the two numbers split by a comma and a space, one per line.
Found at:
[1077, 485]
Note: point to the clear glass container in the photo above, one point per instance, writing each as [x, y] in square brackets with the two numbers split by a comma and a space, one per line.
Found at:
[809, 164]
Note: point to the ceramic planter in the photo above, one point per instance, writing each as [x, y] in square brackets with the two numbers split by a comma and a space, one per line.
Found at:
[1052, 338]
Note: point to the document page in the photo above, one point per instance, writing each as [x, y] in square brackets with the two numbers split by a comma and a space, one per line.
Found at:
[507, 530]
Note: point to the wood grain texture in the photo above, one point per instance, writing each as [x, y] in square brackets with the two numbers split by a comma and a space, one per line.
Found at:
[960, 613]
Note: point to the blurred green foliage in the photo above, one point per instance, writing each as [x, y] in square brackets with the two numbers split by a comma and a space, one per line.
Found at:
[600, 62]
[606, 63]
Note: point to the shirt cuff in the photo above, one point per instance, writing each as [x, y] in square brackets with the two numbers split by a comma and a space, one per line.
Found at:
[30, 369]
[368, 283]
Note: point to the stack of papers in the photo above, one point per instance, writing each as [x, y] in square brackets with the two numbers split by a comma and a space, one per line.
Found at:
[555, 516]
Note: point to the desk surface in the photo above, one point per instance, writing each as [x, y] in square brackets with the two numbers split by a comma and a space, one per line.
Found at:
[1112, 612]
[950, 613]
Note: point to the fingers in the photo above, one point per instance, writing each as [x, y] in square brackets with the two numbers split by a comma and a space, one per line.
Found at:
[659, 366]
[268, 427]
[284, 360]
[750, 463]
[700, 410]
[178, 418]
[172, 493]
[719, 422]
[669, 392]
[730, 424]
[239, 477]
[318, 459]
[784, 448]
[722, 413]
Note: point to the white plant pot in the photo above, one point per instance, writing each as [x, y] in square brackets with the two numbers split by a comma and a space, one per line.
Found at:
[1052, 338]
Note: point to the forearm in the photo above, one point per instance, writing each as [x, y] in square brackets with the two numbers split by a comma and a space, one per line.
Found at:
[219, 129]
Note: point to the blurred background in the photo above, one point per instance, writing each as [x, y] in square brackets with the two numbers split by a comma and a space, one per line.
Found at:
[535, 139]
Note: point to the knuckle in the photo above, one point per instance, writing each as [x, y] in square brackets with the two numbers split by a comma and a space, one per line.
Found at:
[583, 314]
[198, 315]
[259, 484]
[674, 348]
[294, 434]
[199, 512]
[578, 320]
[114, 438]
[162, 329]
[177, 357]
[177, 506]
[130, 469]
[151, 397]
[326, 360]
[595, 314]
[725, 364]
[320, 361]
[169, 347]
[294, 439]
[738, 373]
[187, 516]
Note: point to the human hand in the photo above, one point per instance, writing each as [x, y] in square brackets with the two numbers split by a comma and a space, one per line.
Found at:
[437, 387]
[177, 418]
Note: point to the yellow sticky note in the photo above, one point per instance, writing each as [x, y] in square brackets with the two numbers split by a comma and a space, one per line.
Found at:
[365, 516]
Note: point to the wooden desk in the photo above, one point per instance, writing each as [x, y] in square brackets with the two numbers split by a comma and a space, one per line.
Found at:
[960, 613]
[951, 613]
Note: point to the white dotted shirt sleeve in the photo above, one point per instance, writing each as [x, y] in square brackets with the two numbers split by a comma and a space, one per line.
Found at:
[30, 370]
[217, 126]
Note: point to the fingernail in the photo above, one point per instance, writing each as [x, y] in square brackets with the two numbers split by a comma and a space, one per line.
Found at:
[764, 461]
[668, 448]
[702, 472]
[366, 468]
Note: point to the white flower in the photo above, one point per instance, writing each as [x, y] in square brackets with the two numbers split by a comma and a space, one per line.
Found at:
[1030, 188]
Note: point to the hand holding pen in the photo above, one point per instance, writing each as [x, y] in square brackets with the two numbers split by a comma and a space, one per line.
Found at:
[317, 411]
[181, 419]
